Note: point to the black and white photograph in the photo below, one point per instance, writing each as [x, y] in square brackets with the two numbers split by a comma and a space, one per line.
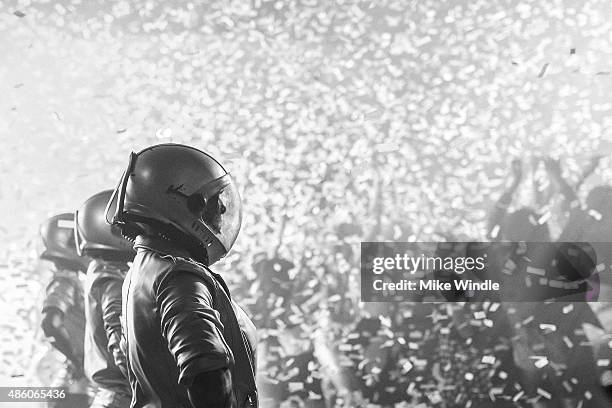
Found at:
[305, 204]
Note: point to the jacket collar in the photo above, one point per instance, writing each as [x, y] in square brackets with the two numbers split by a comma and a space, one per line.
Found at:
[165, 247]
[160, 245]
[99, 265]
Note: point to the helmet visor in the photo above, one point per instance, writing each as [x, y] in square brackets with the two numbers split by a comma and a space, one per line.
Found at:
[222, 212]
[77, 234]
[114, 209]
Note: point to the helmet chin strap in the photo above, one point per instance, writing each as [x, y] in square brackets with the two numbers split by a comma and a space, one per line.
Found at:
[181, 240]
[196, 250]
[201, 256]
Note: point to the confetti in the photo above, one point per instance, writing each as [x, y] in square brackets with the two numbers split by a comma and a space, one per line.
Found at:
[480, 315]
[536, 271]
[543, 70]
[544, 393]
[595, 214]
[542, 362]
[319, 106]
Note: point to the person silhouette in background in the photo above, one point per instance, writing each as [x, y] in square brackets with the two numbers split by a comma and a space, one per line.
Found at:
[63, 314]
[570, 369]
[110, 252]
[519, 224]
[591, 222]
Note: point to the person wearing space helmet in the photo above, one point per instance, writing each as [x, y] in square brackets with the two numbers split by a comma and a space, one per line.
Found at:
[188, 342]
[110, 251]
[63, 314]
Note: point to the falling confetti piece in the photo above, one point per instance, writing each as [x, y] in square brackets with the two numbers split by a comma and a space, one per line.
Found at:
[543, 70]
[595, 214]
[387, 147]
[542, 362]
[518, 396]
[536, 271]
[548, 327]
[544, 393]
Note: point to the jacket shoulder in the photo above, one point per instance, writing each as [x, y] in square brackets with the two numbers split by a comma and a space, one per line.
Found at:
[99, 271]
[173, 265]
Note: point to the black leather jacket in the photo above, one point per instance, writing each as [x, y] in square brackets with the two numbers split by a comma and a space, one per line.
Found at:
[179, 321]
[65, 293]
[104, 360]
